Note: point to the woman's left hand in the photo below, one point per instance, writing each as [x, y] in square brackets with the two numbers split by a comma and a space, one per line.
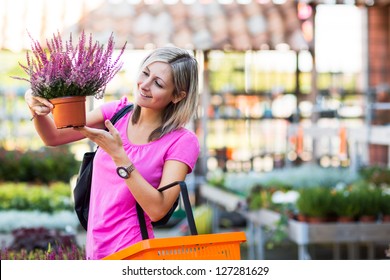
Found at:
[110, 141]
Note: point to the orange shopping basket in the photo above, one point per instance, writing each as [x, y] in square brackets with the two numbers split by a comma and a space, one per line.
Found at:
[217, 246]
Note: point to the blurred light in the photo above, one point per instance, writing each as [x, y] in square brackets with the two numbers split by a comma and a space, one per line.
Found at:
[282, 47]
[264, 47]
[304, 11]
[244, 2]
[212, 163]
[188, 2]
[305, 108]
[350, 111]
[325, 161]
[306, 156]
[263, 1]
[307, 28]
[279, 2]
[149, 46]
[170, 2]
[285, 197]
[292, 156]
[370, 2]
[284, 106]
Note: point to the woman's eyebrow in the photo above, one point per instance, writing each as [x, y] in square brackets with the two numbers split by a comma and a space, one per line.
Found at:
[158, 77]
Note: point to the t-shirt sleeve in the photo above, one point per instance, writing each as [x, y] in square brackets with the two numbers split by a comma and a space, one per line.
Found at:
[186, 149]
[110, 108]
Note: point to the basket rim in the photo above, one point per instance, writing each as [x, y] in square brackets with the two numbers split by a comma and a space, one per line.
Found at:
[167, 242]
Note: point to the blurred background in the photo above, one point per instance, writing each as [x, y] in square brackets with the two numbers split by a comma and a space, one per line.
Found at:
[293, 95]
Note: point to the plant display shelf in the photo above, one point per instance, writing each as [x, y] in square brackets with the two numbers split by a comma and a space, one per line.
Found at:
[219, 198]
[303, 234]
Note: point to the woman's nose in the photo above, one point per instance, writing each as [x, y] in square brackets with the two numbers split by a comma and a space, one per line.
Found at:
[145, 83]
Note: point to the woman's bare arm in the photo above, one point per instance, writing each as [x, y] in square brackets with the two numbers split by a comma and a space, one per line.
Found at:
[45, 127]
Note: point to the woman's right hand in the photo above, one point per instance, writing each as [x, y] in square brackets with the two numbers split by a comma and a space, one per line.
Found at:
[39, 106]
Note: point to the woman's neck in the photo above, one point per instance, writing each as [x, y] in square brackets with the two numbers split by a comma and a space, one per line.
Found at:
[149, 119]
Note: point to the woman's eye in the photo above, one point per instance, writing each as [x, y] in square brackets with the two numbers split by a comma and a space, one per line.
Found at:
[145, 73]
[157, 84]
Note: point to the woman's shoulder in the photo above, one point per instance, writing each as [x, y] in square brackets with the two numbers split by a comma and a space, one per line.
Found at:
[109, 109]
[185, 136]
[184, 132]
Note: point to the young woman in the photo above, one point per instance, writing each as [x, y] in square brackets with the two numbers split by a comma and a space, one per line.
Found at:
[148, 148]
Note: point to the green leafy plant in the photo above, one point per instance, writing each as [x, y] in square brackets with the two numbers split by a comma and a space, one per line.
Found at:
[259, 197]
[346, 203]
[42, 166]
[377, 175]
[21, 196]
[369, 197]
[315, 202]
[385, 203]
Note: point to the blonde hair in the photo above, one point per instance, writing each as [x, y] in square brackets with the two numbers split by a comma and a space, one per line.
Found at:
[185, 78]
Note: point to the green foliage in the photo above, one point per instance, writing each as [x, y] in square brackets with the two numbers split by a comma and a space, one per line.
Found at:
[260, 197]
[315, 202]
[385, 204]
[369, 197]
[43, 166]
[346, 203]
[21, 196]
[279, 231]
[377, 175]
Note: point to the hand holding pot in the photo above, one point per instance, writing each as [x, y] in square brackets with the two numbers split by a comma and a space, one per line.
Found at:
[38, 105]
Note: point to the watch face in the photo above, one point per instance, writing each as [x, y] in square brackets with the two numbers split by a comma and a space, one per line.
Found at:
[122, 172]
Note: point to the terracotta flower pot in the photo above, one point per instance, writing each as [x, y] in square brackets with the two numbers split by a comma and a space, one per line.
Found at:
[316, 220]
[301, 218]
[367, 219]
[345, 219]
[69, 111]
[386, 218]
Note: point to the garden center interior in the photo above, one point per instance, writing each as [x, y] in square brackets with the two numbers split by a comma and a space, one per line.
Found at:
[294, 95]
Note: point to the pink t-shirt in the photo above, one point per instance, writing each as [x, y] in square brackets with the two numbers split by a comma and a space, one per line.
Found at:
[112, 221]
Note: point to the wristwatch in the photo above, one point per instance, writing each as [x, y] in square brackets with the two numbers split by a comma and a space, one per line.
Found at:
[124, 172]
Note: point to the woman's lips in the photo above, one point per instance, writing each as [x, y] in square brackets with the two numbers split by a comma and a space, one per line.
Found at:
[144, 95]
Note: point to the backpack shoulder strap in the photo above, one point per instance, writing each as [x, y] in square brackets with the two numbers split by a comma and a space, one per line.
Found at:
[121, 113]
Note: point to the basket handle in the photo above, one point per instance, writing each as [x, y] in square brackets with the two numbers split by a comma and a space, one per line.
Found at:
[187, 208]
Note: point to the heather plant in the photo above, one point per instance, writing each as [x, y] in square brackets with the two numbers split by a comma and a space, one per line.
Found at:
[72, 253]
[42, 244]
[67, 70]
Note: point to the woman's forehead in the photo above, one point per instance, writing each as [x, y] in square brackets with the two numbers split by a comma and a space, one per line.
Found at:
[161, 69]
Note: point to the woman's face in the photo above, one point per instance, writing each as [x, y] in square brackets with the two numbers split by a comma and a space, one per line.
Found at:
[155, 86]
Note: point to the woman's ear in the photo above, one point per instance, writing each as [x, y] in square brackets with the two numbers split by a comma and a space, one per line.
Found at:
[179, 97]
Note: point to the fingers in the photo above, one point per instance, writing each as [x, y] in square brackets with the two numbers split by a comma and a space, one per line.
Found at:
[45, 102]
[41, 109]
[113, 131]
[38, 105]
[111, 128]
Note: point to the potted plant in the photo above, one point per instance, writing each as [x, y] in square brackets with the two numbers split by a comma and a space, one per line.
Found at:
[346, 205]
[385, 205]
[315, 203]
[369, 197]
[64, 73]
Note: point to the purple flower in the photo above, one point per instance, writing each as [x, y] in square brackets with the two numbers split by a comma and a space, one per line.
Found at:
[67, 70]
